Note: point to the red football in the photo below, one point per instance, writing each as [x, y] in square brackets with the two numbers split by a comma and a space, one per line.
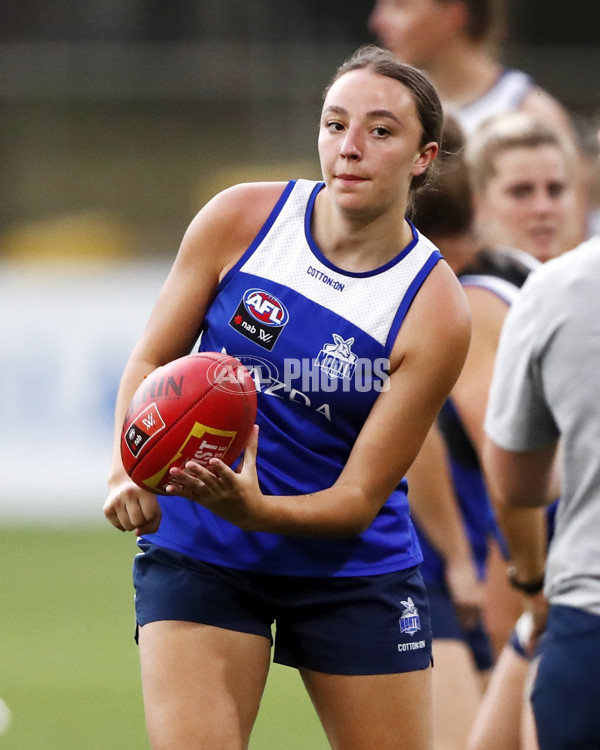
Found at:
[198, 407]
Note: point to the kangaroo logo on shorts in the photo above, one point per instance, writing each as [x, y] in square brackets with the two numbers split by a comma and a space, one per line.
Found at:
[410, 621]
[260, 317]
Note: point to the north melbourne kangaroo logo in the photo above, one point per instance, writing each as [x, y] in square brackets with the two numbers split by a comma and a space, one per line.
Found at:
[337, 359]
[410, 621]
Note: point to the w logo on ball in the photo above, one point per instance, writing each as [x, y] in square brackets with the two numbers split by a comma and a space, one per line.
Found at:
[147, 423]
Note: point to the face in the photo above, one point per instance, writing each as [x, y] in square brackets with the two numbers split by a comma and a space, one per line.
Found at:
[369, 138]
[529, 202]
[414, 30]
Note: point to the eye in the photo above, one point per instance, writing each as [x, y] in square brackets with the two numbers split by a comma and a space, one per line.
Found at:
[556, 189]
[520, 191]
[334, 126]
[381, 132]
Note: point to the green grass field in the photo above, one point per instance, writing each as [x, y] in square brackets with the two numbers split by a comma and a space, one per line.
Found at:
[68, 663]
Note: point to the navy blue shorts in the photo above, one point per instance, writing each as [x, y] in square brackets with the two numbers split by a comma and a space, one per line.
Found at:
[446, 625]
[566, 689]
[352, 625]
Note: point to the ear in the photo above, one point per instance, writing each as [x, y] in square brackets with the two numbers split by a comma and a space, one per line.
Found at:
[427, 154]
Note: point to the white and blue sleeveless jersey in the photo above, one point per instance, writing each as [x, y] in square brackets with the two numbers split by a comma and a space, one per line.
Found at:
[317, 340]
[506, 95]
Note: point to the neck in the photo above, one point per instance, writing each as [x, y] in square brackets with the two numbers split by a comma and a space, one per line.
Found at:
[355, 243]
[464, 75]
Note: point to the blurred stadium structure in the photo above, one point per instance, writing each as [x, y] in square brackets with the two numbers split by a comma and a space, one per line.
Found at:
[117, 121]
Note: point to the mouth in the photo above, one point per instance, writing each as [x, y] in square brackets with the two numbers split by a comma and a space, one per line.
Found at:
[350, 178]
[543, 234]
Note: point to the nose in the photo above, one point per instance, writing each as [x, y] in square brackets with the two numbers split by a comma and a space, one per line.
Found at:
[545, 202]
[351, 147]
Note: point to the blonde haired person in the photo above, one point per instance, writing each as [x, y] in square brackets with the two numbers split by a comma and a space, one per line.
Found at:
[523, 177]
[453, 513]
[524, 197]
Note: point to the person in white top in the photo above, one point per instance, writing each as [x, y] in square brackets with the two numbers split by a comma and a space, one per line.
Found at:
[456, 43]
[546, 389]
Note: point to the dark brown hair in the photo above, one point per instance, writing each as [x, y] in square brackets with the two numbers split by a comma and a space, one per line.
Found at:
[444, 207]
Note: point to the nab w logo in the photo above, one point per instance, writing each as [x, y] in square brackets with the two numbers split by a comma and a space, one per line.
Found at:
[149, 422]
[143, 428]
[260, 317]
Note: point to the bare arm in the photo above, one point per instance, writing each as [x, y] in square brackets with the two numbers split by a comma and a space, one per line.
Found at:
[435, 507]
[522, 484]
[470, 393]
[426, 360]
[215, 239]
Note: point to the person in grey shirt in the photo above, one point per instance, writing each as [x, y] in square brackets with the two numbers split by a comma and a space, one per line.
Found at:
[545, 392]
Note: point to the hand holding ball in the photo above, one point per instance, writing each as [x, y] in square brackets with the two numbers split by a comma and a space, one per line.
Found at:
[197, 407]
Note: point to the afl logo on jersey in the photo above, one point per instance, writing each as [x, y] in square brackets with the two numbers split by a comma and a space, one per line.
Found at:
[260, 317]
[265, 308]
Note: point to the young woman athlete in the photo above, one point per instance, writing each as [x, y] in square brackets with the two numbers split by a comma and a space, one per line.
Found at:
[311, 532]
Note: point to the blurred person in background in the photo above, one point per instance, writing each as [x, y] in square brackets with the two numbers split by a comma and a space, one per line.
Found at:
[457, 43]
[512, 671]
[545, 392]
[451, 509]
[522, 177]
[312, 531]
[523, 184]
[497, 208]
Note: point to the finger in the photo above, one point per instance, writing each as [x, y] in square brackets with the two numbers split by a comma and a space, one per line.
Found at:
[143, 510]
[148, 527]
[185, 478]
[125, 522]
[197, 471]
[220, 472]
[249, 458]
[111, 515]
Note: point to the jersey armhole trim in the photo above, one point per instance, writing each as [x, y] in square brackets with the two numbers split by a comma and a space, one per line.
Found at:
[262, 233]
[408, 298]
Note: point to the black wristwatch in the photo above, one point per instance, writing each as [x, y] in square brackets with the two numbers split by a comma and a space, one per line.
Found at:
[527, 587]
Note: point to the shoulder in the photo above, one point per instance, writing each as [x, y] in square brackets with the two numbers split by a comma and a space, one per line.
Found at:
[539, 102]
[243, 206]
[573, 273]
[439, 317]
[229, 222]
[488, 310]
